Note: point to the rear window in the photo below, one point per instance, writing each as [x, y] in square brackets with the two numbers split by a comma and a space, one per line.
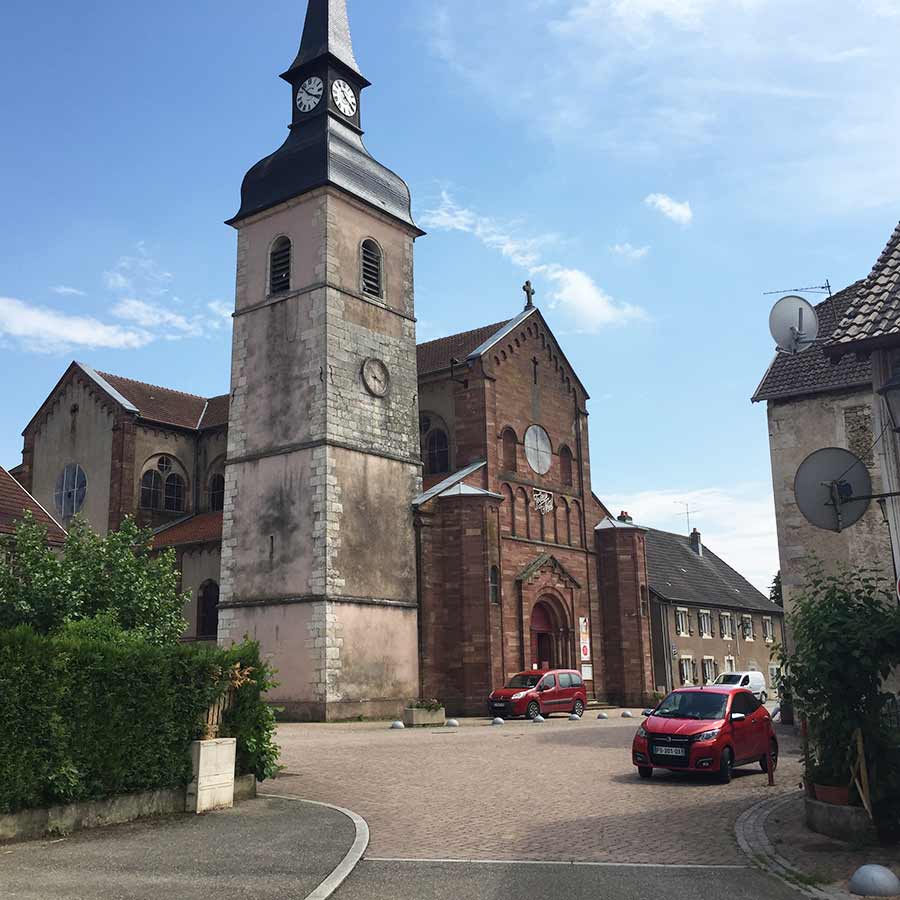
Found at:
[565, 680]
[523, 681]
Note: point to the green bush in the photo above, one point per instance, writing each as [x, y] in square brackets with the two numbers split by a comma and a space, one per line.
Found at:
[91, 712]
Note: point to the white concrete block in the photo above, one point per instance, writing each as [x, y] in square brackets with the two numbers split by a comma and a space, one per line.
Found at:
[212, 786]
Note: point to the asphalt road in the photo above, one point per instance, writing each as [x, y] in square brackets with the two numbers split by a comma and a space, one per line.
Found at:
[393, 880]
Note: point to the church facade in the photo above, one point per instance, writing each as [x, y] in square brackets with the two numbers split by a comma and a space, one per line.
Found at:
[389, 520]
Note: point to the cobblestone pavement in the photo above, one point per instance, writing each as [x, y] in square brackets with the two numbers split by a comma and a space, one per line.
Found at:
[558, 791]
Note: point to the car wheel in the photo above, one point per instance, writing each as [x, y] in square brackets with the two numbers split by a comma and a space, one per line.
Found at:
[645, 771]
[763, 697]
[578, 709]
[726, 766]
[773, 753]
[534, 710]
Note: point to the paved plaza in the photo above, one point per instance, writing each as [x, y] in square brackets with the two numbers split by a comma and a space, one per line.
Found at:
[558, 791]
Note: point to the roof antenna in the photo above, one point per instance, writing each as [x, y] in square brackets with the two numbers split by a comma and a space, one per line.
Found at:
[529, 293]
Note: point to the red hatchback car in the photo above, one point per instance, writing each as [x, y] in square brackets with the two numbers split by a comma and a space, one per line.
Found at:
[705, 729]
[541, 691]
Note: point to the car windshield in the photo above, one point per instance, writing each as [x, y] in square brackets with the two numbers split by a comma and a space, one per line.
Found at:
[729, 678]
[523, 681]
[693, 705]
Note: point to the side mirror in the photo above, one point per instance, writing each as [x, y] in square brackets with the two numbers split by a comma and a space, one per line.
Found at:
[647, 713]
[738, 717]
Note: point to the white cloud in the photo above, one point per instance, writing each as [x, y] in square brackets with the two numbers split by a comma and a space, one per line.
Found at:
[43, 330]
[157, 317]
[679, 212]
[572, 290]
[67, 291]
[629, 251]
[138, 273]
[737, 523]
[222, 313]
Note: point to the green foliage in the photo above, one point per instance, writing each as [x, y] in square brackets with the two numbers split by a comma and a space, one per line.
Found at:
[846, 632]
[93, 711]
[428, 704]
[775, 594]
[113, 576]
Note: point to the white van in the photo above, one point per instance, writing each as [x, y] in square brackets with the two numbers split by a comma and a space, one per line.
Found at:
[752, 680]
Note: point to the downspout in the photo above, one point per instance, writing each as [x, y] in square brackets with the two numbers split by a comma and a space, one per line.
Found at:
[500, 568]
[417, 526]
[587, 552]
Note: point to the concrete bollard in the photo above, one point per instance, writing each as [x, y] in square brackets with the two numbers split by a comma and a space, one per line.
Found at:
[452, 723]
[497, 721]
[538, 719]
[397, 726]
[603, 715]
[874, 881]
[628, 714]
[574, 717]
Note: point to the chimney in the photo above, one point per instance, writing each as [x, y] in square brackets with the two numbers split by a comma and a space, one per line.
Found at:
[624, 517]
[696, 543]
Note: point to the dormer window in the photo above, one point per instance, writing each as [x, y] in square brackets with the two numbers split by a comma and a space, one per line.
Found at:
[280, 266]
[372, 274]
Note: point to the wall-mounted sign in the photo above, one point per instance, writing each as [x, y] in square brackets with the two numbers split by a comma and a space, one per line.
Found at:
[543, 502]
[587, 673]
[585, 638]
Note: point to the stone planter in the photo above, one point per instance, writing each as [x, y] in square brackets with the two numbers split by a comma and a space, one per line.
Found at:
[838, 796]
[413, 717]
[846, 823]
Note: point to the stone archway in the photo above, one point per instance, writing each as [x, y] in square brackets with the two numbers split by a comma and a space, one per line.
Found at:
[550, 634]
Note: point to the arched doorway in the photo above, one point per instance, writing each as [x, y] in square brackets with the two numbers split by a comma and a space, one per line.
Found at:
[549, 644]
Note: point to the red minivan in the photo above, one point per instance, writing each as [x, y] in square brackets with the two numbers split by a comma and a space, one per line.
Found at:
[541, 691]
[705, 729]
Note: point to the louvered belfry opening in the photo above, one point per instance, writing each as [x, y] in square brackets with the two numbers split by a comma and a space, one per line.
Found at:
[371, 268]
[280, 267]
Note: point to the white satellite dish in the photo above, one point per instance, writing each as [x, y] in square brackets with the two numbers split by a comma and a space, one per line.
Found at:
[794, 324]
[833, 488]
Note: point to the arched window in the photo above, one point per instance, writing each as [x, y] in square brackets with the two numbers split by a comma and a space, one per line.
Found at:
[523, 514]
[280, 266]
[510, 445]
[174, 493]
[217, 493]
[437, 453]
[71, 489]
[565, 466]
[151, 490]
[495, 584]
[371, 275]
[508, 510]
[576, 524]
[208, 611]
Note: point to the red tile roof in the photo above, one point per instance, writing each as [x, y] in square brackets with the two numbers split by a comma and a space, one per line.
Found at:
[158, 403]
[15, 501]
[205, 528]
[216, 413]
[434, 356]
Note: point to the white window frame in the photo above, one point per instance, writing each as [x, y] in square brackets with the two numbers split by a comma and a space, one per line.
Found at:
[726, 625]
[679, 612]
[707, 632]
[768, 629]
[730, 664]
[691, 679]
[712, 668]
[744, 619]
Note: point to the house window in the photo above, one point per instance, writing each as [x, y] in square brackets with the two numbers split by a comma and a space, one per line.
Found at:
[280, 266]
[208, 611]
[686, 669]
[682, 623]
[510, 444]
[729, 663]
[645, 606]
[565, 466]
[495, 584]
[71, 489]
[437, 453]
[709, 669]
[151, 490]
[768, 630]
[726, 625]
[217, 493]
[174, 493]
[371, 268]
[705, 623]
[747, 628]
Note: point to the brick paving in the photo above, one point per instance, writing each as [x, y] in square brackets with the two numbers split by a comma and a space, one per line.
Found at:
[557, 791]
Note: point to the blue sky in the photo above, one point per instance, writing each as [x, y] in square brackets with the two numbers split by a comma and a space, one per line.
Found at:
[653, 165]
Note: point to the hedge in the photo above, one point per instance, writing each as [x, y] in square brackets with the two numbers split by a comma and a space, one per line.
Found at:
[83, 718]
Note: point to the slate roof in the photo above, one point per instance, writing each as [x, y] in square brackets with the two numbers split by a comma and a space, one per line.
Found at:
[435, 356]
[873, 318]
[677, 573]
[813, 371]
[204, 528]
[15, 501]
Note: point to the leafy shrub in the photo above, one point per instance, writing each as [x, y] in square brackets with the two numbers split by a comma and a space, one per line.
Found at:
[430, 705]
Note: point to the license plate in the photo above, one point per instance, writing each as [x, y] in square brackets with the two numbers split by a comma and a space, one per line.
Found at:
[499, 705]
[669, 751]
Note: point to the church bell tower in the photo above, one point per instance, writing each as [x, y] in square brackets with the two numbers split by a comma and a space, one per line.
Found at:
[318, 550]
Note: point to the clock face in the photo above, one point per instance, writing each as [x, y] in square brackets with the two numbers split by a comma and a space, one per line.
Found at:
[309, 94]
[376, 377]
[344, 98]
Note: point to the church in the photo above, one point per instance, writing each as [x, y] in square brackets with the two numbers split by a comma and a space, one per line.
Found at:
[389, 520]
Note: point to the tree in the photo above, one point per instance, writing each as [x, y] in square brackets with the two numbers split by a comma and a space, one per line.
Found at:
[775, 590]
[117, 578]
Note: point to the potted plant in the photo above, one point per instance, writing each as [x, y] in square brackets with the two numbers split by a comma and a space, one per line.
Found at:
[423, 712]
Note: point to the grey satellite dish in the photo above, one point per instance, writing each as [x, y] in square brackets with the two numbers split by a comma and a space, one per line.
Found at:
[833, 488]
[794, 324]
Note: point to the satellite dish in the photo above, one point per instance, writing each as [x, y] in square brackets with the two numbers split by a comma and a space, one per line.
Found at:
[833, 488]
[794, 324]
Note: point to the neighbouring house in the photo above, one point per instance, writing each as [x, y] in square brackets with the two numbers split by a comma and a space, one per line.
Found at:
[16, 502]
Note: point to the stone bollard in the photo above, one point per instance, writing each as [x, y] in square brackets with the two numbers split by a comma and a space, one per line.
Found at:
[397, 726]
[628, 714]
[497, 721]
[574, 717]
[452, 723]
[603, 715]
[538, 719]
[874, 881]
[212, 786]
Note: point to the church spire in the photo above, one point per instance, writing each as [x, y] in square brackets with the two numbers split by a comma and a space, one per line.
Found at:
[326, 33]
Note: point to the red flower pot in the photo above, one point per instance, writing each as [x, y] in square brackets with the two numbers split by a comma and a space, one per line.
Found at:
[839, 796]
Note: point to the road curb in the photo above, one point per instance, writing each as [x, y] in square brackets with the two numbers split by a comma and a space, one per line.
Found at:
[750, 831]
[354, 854]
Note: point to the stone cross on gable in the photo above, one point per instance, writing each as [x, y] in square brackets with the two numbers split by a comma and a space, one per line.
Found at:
[529, 293]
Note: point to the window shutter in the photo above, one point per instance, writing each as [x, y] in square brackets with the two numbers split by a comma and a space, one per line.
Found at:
[371, 268]
[280, 267]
